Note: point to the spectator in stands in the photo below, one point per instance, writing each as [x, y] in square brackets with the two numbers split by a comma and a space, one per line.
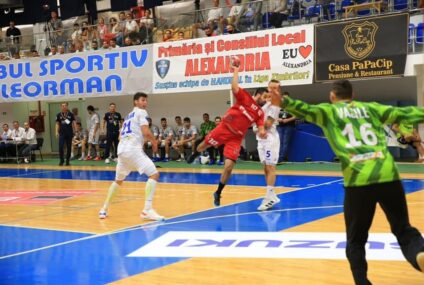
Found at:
[250, 17]
[17, 56]
[234, 12]
[55, 26]
[71, 48]
[325, 4]
[221, 147]
[34, 53]
[114, 29]
[181, 36]
[89, 34]
[102, 29]
[79, 141]
[61, 49]
[105, 46]
[3, 57]
[155, 132]
[188, 138]
[128, 42]
[13, 38]
[53, 50]
[93, 127]
[5, 141]
[94, 45]
[112, 44]
[231, 29]
[30, 143]
[216, 17]
[178, 131]
[146, 28]
[76, 34]
[205, 128]
[131, 25]
[285, 128]
[121, 29]
[167, 36]
[147, 19]
[279, 12]
[166, 135]
[112, 122]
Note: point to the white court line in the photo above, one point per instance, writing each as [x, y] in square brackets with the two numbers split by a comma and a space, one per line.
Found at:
[155, 224]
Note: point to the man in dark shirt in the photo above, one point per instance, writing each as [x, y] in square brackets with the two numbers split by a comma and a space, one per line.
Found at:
[285, 128]
[65, 128]
[13, 36]
[111, 124]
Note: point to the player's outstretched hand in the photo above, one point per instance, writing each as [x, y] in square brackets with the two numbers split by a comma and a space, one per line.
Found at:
[262, 133]
[235, 62]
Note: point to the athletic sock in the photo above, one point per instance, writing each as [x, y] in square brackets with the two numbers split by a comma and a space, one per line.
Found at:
[112, 190]
[220, 188]
[149, 191]
[270, 191]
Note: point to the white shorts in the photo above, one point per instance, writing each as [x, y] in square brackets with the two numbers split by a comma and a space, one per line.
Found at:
[93, 139]
[134, 161]
[269, 149]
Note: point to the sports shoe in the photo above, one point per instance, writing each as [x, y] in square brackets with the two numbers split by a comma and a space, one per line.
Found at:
[166, 159]
[151, 215]
[102, 214]
[268, 203]
[88, 157]
[81, 158]
[212, 162]
[220, 163]
[26, 160]
[192, 157]
[97, 158]
[107, 160]
[180, 159]
[216, 199]
[420, 260]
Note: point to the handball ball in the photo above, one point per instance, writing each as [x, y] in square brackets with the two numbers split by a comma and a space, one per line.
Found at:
[235, 61]
[203, 159]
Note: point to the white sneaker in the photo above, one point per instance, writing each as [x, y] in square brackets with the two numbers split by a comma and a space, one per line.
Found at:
[26, 160]
[115, 159]
[107, 160]
[151, 215]
[268, 203]
[102, 214]
[81, 158]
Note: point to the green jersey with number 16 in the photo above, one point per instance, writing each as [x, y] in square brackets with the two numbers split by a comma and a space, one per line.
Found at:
[355, 131]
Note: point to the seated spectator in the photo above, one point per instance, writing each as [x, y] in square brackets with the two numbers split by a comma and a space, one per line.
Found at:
[128, 42]
[53, 50]
[408, 135]
[231, 29]
[250, 17]
[188, 138]
[121, 29]
[94, 45]
[181, 36]
[178, 130]
[88, 35]
[5, 141]
[114, 29]
[166, 135]
[279, 12]
[34, 53]
[131, 25]
[216, 17]
[112, 44]
[30, 143]
[76, 34]
[105, 45]
[167, 36]
[147, 19]
[17, 136]
[102, 29]
[206, 32]
[60, 37]
[155, 132]
[71, 48]
[79, 141]
[61, 49]
[234, 12]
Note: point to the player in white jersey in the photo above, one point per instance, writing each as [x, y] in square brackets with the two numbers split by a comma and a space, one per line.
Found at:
[269, 147]
[132, 157]
[93, 128]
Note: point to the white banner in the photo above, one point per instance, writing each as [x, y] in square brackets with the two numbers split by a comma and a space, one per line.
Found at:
[284, 54]
[90, 74]
[307, 245]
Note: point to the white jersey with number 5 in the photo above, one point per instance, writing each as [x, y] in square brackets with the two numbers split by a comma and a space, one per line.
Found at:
[269, 148]
[131, 136]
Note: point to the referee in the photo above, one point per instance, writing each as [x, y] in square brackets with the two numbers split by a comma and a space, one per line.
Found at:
[65, 128]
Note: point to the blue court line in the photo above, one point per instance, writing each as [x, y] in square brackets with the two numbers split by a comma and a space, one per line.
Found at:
[102, 259]
[169, 177]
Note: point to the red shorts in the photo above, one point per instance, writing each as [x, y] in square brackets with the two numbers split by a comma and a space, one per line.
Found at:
[221, 135]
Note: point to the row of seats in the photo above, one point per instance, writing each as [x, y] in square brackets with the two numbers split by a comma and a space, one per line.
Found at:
[416, 35]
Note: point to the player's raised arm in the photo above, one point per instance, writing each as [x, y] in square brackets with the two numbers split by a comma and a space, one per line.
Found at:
[390, 114]
[235, 64]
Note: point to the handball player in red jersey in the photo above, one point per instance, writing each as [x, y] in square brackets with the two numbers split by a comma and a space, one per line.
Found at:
[231, 131]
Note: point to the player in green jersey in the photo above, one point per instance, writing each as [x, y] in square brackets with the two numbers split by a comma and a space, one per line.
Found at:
[355, 132]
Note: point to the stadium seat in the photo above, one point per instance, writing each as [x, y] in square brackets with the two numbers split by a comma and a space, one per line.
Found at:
[419, 35]
[399, 5]
[365, 12]
[411, 34]
[340, 10]
[40, 142]
[313, 12]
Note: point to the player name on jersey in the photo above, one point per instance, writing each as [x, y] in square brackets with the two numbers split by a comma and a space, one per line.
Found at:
[352, 113]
